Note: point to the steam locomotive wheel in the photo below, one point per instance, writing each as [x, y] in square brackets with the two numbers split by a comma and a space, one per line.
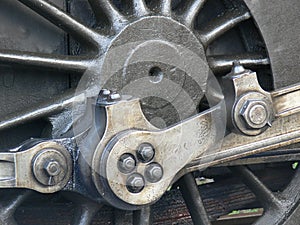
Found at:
[38, 60]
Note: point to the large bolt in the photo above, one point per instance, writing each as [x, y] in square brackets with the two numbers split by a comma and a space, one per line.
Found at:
[126, 163]
[154, 172]
[135, 183]
[145, 152]
[255, 113]
[50, 167]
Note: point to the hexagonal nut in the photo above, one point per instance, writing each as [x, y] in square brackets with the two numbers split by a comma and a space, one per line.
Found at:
[154, 172]
[53, 168]
[135, 183]
[126, 163]
[255, 113]
[145, 152]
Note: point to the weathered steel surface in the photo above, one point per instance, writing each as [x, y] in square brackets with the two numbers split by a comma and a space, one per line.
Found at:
[279, 23]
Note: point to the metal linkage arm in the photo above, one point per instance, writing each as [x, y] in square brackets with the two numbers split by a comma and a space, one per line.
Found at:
[139, 165]
[136, 160]
[271, 120]
[46, 168]
[286, 101]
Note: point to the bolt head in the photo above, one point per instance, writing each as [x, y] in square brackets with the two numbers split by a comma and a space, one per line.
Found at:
[53, 168]
[107, 97]
[135, 183]
[145, 152]
[105, 92]
[114, 97]
[237, 68]
[154, 172]
[255, 114]
[126, 163]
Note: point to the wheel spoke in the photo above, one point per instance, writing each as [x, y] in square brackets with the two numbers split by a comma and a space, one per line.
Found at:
[9, 206]
[51, 107]
[221, 64]
[64, 21]
[85, 213]
[221, 25]
[122, 217]
[116, 19]
[46, 61]
[192, 198]
[143, 216]
[165, 6]
[140, 8]
[263, 194]
[85, 209]
[192, 12]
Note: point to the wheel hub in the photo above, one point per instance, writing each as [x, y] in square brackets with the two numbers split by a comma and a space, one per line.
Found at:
[153, 59]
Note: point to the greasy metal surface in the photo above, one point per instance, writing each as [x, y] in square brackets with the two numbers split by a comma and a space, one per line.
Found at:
[22, 87]
[175, 147]
[77, 30]
[234, 146]
[23, 30]
[54, 106]
[245, 91]
[116, 123]
[284, 131]
[287, 100]
[281, 39]
[117, 22]
[276, 156]
[142, 47]
[22, 169]
[191, 195]
[219, 198]
[9, 204]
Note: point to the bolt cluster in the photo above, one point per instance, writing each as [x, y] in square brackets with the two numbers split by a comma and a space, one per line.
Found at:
[128, 164]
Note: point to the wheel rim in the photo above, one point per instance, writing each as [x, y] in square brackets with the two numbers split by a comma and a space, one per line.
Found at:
[97, 40]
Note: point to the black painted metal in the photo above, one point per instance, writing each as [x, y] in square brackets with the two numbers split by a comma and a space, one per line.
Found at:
[264, 195]
[192, 198]
[143, 216]
[279, 24]
[9, 203]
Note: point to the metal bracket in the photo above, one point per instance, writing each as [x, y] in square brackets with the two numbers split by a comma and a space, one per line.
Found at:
[135, 159]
